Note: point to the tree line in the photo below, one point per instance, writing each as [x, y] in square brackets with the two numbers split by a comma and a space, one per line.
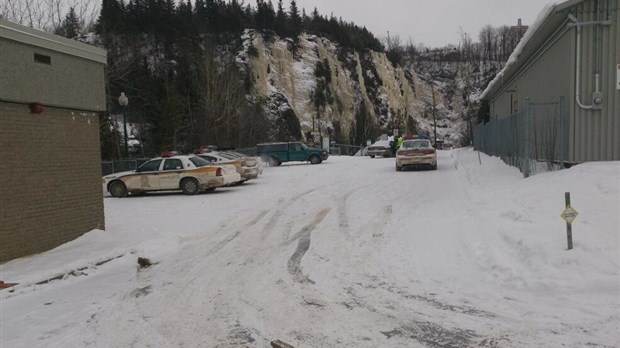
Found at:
[175, 60]
[495, 44]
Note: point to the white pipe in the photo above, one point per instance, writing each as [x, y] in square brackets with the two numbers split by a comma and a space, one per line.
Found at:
[578, 66]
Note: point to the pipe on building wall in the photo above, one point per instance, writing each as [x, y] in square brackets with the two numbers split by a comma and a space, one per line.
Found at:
[597, 99]
[578, 68]
[555, 37]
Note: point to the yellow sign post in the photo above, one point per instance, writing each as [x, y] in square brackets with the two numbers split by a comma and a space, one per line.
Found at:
[569, 215]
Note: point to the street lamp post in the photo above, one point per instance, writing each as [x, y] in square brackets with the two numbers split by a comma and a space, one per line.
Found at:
[124, 101]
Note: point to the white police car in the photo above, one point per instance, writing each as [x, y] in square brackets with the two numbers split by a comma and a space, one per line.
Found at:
[190, 174]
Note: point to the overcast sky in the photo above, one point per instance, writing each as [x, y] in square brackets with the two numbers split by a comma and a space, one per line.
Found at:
[431, 22]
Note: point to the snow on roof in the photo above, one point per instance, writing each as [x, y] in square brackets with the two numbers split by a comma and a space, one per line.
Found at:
[542, 16]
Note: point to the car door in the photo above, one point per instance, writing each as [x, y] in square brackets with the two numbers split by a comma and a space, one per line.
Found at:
[297, 152]
[146, 177]
[170, 175]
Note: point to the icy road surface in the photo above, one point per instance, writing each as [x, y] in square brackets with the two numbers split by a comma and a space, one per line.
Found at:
[349, 253]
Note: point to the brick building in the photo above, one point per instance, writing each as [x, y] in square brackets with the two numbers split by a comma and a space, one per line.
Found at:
[51, 91]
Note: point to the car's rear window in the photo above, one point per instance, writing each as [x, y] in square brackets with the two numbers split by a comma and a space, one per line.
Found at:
[198, 161]
[416, 144]
[381, 143]
[227, 155]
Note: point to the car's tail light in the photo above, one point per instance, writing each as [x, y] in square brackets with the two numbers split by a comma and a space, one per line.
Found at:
[218, 171]
[428, 151]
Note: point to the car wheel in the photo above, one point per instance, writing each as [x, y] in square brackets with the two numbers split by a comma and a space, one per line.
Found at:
[117, 189]
[372, 156]
[273, 162]
[315, 160]
[190, 186]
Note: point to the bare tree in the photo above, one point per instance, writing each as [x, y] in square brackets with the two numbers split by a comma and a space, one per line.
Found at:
[48, 15]
[488, 41]
[222, 103]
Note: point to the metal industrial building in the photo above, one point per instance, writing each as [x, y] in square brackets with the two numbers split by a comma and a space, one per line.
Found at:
[51, 93]
[558, 98]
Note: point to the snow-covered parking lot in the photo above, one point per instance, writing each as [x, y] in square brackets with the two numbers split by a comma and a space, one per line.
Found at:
[349, 253]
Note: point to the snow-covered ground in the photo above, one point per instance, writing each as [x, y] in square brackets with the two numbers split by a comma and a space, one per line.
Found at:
[349, 253]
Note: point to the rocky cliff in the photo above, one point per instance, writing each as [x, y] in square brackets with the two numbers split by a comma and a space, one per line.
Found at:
[313, 84]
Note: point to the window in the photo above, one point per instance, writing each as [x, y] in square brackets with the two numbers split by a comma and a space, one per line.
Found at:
[199, 161]
[43, 59]
[150, 166]
[173, 164]
[418, 144]
[298, 147]
[407, 144]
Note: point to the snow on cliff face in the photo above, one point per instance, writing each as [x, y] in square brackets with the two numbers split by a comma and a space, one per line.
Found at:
[283, 74]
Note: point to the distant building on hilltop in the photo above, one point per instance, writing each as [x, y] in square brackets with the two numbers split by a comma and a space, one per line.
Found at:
[519, 30]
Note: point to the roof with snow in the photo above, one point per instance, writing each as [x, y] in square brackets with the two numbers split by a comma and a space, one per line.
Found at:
[38, 38]
[550, 19]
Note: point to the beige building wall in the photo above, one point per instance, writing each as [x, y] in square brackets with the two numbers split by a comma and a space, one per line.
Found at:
[50, 162]
[67, 81]
[50, 178]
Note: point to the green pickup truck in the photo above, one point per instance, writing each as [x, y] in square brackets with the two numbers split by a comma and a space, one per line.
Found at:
[277, 153]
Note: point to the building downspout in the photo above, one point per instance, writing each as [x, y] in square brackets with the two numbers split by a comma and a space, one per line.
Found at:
[597, 95]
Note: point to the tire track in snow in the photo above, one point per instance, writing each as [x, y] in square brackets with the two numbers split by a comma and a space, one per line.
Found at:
[376, 228]
[294, 262]
[238, 232]
[279, 210]
[343, 218]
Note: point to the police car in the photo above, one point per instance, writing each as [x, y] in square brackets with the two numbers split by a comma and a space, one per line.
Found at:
[190, 174]
[416, 152]
[248, 169]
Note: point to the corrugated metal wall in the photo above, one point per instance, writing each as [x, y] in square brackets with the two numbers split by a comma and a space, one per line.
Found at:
[595, 134]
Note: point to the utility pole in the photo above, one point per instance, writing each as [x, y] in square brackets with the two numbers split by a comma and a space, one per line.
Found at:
[434, 114]
[124, 101]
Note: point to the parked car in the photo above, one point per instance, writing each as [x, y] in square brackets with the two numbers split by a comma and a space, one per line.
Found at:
[246, 172]
[249, 161]
[416, 152]
[380, 148]
[277, 153]
[190, 174]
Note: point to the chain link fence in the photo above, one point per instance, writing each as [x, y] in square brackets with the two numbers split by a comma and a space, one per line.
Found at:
[533, 139]
[111, 167]
[344, 150]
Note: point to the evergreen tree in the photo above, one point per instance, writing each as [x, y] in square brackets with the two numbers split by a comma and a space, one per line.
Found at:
[265, 15]
[213, 9]
[110, 18]
[71, 25]
[294, 27]
[280, 24]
